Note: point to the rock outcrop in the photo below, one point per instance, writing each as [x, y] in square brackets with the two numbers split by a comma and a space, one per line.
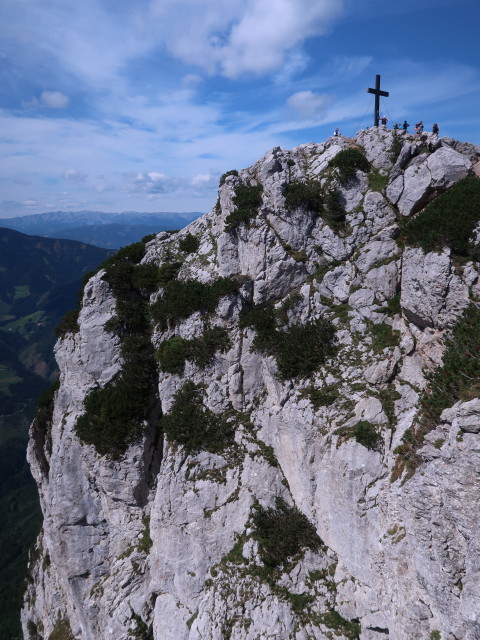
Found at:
[165, 540]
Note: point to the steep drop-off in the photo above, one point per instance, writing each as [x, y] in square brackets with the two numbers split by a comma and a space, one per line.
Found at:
[255, 435]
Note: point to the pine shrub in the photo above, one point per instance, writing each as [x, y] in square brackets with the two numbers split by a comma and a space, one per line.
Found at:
[348, 161]
[457, 378]
[282, 532]
[182, 298]
[304, 194]
[299, 349]
[247, 201]
[191, 424]
[448, 221]
[189, 244]
[116, 415]
[174, 352]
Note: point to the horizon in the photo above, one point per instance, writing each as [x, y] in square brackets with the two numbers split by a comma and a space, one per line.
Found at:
[118, 108]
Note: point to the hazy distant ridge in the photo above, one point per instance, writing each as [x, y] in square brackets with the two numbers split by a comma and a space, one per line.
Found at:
[109, 230]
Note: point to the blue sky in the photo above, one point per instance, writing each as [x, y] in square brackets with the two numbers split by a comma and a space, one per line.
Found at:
[121, 105]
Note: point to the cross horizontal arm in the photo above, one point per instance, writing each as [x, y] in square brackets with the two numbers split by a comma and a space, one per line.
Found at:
[378, 92]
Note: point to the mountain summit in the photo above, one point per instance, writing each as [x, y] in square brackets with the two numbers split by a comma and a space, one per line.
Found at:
[267, 424]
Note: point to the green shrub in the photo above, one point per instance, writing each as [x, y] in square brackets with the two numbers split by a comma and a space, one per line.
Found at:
[172, 355]
[334, 213]
[247, 201]
[181, 299]
[366, 434]
[224, 176]
[396, 146]
[141, 631]
[167, 272]
[305, 194]
[189, 244]
[348, 629]
[282, 532]
[323, 397]
[457, 378]
[33, 632]
[44, 414]
[145, 277]
[145, 541]
[449, 220]
[149, 237]
[68, 324]
[392, 306]
[348, 162]
[62, 630]
[174, 352]
[115, 416]
[191, 424]
[299, 349]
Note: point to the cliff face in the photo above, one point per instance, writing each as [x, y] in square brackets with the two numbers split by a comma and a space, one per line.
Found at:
[327, 505]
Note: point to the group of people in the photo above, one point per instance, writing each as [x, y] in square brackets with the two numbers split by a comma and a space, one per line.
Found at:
[418, 127]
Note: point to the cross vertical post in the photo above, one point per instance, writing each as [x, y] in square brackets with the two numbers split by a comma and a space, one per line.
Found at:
[377, 93]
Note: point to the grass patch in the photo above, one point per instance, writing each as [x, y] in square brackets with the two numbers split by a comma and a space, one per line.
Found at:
[457, 378]
[348, 162]
[174, 352]
[383, 336]
[348, 629]
[182, 298]
[392, 306]
[191, 424]
[282, 531]
[377, 182]
[448, 221]
[247, 201]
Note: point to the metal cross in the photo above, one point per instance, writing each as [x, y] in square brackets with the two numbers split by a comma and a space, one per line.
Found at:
[377, 94]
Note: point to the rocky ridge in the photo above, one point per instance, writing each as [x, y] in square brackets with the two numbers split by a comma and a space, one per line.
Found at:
[163, 541]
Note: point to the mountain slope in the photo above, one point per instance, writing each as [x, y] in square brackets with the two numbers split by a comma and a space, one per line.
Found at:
[268, 443]
[38, 282]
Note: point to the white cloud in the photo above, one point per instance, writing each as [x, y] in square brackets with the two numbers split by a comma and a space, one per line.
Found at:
[55, 99]
[233, 37]
[204, 179]
[74, 175]
[309, 104]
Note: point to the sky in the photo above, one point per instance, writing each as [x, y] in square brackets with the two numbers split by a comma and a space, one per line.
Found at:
[141, 105]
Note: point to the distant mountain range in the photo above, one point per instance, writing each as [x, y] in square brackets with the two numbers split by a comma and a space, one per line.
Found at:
[108, 230]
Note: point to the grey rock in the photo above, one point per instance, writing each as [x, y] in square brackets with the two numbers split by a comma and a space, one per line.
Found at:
[401, 557]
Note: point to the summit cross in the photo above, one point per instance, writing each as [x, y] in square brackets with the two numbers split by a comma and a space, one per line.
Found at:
[377, 93]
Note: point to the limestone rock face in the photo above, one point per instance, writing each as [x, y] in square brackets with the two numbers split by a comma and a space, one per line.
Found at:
[163, 542]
